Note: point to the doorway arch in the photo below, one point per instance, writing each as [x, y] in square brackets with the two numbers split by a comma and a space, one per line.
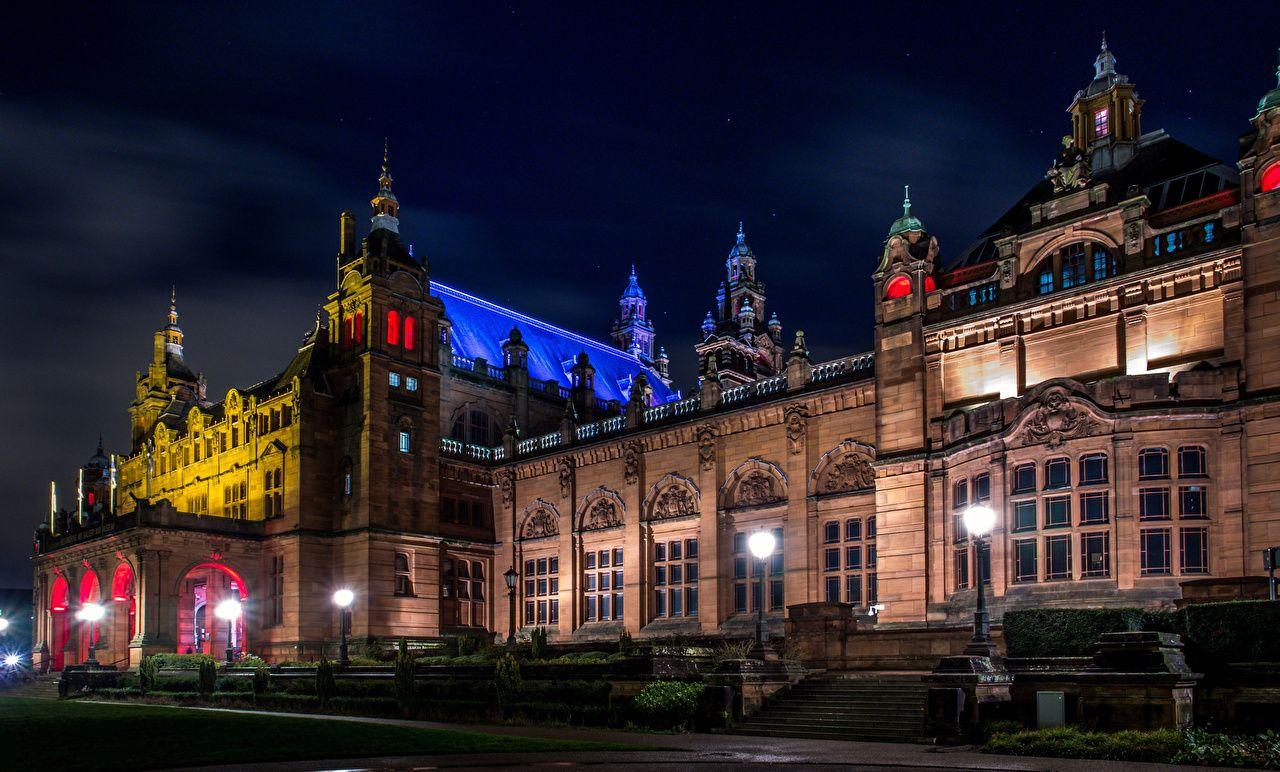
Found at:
[89, 632]
[200, 590]
[59, 626]
[123, 623]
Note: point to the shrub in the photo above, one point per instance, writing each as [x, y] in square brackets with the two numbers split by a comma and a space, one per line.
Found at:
[250, 660]
[147, 674]
[538, 642]
[667, 704]
[404, 679]
[625, 644]
[506, 679]
[325, 686]
[1219, 750]
[261, 681]
[1160, 746]
[234, 685]
[208, 676]
[180, 661]
[727, 650]
[1066, 632]
[1236, 631]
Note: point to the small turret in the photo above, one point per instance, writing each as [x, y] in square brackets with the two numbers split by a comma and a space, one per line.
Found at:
[708, 326]
[1272, 98]
[386, 209]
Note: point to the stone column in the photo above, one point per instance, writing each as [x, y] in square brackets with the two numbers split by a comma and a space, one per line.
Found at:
[800, 535]
[1126, 556]
[634, 549]
[711, 609]
[157, 607]
[1135, 341]
[998, 542]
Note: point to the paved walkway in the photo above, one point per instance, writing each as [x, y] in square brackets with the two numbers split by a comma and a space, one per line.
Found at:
[703, 752]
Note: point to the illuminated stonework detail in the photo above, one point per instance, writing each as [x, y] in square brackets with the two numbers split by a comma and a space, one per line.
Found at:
[1056, 419]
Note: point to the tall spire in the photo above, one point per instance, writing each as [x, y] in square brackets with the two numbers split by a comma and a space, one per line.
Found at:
[907, 222]
[1272, 98]
[1105, 65]
[386, 209]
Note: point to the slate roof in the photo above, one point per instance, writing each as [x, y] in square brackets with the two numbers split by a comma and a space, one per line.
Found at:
[480, 327]
[1168, 171]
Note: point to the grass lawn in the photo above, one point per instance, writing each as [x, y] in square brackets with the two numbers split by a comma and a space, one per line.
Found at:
[49, 734]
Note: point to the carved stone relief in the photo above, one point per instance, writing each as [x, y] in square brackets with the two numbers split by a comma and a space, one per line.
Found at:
[797, 418]
[1056, 419]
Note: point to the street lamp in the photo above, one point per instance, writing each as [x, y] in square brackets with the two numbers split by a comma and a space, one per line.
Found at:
[230, 610]
[510, 578]
[979, 520]
[343, 599]
[91, 613]
[4, 624]
[761, 544]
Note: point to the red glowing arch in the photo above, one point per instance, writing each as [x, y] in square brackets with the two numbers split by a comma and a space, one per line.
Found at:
[409, 333]
[1271, 177]
[899, 287]
[58, 594]
[90, 589]
[122, 583]
[929, 284]
[393, 327]
[228, 570]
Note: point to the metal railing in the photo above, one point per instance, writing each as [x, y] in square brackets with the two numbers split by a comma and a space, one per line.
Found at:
[828, 371]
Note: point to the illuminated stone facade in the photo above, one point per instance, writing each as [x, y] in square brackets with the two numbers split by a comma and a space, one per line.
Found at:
[1100, 367]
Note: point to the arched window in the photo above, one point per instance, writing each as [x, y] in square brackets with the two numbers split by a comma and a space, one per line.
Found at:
[404, 580]
[393, 328]
[1073, 265]
[899, 287]
[1271, 178]
[475, 426]
[409, 337]
[357, 325]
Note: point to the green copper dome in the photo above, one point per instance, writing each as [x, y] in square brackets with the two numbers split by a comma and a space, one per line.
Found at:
[907, 222]
[1272, 99]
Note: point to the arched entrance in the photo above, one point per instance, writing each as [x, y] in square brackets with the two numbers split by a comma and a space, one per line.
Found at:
[122, 621]
[90, 592]
[59, 628]
[202, 588]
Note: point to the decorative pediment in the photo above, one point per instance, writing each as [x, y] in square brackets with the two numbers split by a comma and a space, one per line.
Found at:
[670, 497]
[540, 519]
[754, 483]
[846, 467]
[1054, 414]
[602, 508]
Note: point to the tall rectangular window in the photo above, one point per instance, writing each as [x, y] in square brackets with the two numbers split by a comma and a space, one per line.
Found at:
[1057, 557]
[276, 608]
[962, 568]
[1153, 503]
[1046, 281]
[960, 494]
[1195, 550]
[1024, 478]
[403, 574]
[1155, 551]
[831, 589]
[1192, 462]
[1193, 501]
[1024, 560]
[1073, 266]
[1095, 554]
[1057, 473]
[1153, 464]
[393, 378]
[1057, 512]
[1093, 469]
[1094, 507]
[1102, 122]
[675, 578]
[602, 584]
[831, 532]
[982, 487]
[406, 446]
[1024, 515]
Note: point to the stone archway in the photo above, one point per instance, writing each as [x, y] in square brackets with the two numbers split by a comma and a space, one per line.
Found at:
[200, 589]
[89, 632]
[121, 623]
[59, 621]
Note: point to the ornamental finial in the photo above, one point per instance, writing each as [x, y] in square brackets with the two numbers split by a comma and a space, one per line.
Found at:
[906, 200]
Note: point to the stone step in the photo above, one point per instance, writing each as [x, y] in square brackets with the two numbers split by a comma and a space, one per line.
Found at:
[850, 701]
[842, 710]
[852, 706]
[885, 722]
[867, 736]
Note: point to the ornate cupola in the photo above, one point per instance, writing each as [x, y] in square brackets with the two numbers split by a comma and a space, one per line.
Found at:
[1106, 116]
[633, 332]
[1272, 99]
[386, 209]
[907, 264]
[735, 334]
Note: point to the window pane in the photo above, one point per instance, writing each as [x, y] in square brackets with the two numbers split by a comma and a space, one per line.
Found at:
[740, 597]
[1153, 463]
[1093, 469]
[674, 552]
[776, 601]
[960, 494]
[1057, 473]
[853, 558]
[660, 575]
[1191, 462]
[1057, 552]
[853, 589]
[1095, 558]
[1094, 508]
[852, 529]
[660, 602]
[1057, 512]
[1024, 561]
[831, 532]
[677, 603]
[1155, 551]
[1194, 501]
[832, 589]
[1195, 550]
[691, 548]
[1024, 478]
[831, 560]
[1153, 503]
[691, 601]
[660, 551]
[1024, 515]
[982, 487]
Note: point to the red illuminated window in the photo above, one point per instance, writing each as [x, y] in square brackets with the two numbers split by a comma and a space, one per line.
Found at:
[393, 327]
[357, 325]
[929, 284]
[1271, 178]
[408, 333]
[1102, 122]
[899, 287]
[92, 498]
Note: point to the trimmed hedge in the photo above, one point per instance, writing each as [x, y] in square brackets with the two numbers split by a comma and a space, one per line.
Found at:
[1236, 631]
[667, 704]
[1214, 633]
[1162, 746]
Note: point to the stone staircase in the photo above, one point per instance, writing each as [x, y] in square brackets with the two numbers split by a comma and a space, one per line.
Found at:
[43, 687]
[885, 707]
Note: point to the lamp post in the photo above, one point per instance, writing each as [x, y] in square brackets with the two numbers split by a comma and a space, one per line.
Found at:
[510, 578]
[979, 520]
[230, 610]
[90, 614]
[761, 544]
[343, 599]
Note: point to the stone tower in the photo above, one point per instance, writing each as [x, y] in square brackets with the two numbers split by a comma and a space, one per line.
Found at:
[736, 335]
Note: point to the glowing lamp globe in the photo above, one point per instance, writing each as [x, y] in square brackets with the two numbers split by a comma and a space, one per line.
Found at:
[12, 660]
[979, 520]
[343, 598]
[4, 624]
[228, 609]
[90, 612]
[761, 544]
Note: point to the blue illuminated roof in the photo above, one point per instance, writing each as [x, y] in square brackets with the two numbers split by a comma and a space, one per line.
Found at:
[480, 327]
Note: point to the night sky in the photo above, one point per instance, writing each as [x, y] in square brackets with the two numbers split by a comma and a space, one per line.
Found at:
[538, 150]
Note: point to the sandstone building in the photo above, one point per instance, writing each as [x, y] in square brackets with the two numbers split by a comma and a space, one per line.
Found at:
[1100, 367]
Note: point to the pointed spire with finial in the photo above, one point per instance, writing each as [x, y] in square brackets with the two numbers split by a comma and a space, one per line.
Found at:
[633, 286]
[386, 209]
[1105, 65]
[742, 236]
[1272, 98]
[907, 222]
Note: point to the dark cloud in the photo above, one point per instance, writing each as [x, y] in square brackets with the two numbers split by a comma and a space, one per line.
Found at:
[538, 151]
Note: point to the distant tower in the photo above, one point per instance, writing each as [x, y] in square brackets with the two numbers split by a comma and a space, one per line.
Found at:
[168, 384]
[1106, 115]
[632, 332]
[386, 209]
[736, 335]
